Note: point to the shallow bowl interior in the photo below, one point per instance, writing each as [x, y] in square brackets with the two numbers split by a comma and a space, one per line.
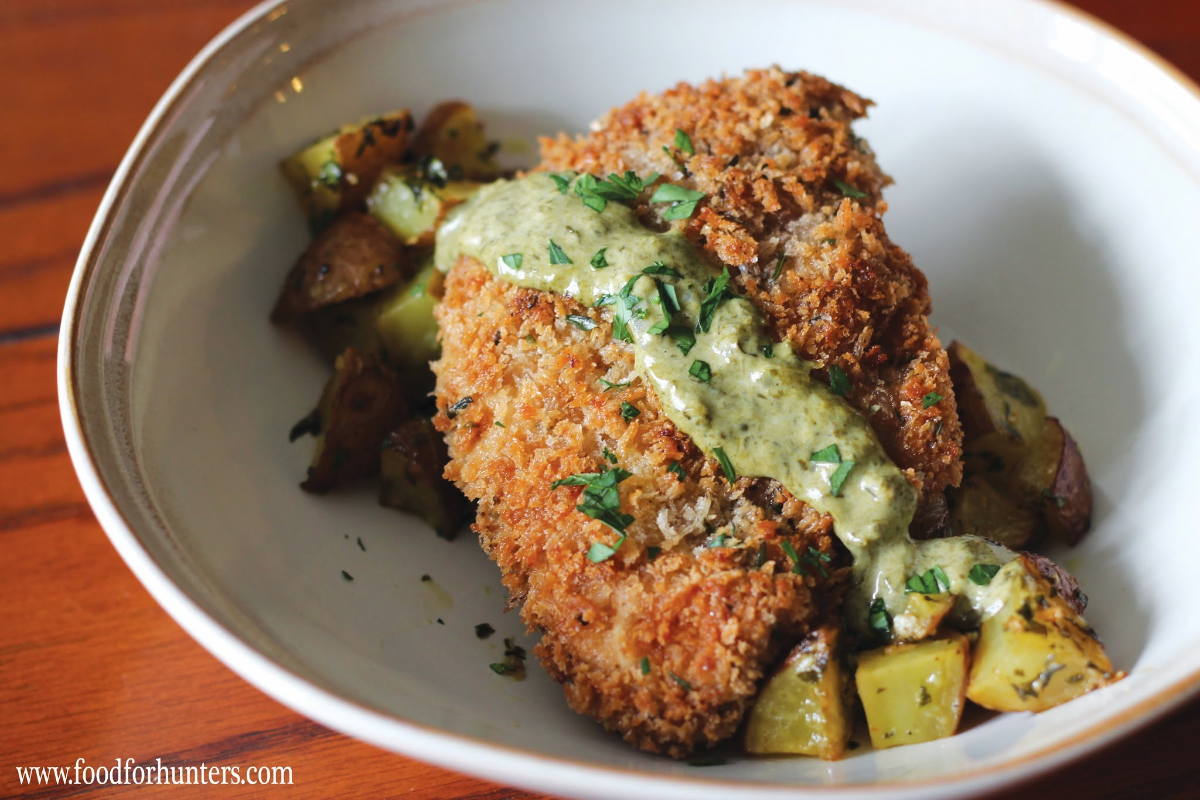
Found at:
[1047, 182]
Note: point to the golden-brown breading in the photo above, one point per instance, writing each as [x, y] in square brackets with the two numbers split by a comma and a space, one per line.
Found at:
[769, 149]
[707, 622]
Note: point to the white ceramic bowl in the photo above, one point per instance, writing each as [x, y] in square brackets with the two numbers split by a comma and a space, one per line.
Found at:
[1047, 181]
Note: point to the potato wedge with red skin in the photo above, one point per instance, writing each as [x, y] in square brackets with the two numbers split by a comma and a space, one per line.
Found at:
[1068, 508]
[354, 256]
[413, 461]
[453, 134]
[1017, 459]
[362, 402]
[334, 174]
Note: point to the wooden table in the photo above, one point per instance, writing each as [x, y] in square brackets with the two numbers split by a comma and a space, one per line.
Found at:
[89, 665]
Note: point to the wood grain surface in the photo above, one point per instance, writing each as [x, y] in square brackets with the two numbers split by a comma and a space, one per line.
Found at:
[90, 666]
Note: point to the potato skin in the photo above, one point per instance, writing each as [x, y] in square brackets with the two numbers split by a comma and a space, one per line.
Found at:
[412, 462]
[361, 404]
[1068, 509]
[1063, 582]
[453, 134]
[354, 256]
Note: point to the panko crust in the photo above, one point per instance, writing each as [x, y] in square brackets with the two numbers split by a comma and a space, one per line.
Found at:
[709, 620]
[770, 148]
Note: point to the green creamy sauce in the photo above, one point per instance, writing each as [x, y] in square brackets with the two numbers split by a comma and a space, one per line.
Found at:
[767, 414]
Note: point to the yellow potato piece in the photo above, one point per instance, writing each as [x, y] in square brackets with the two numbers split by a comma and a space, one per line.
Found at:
[412, 207]
[914, 692]
[921, 616]
[1035, 653]
[802, 710]
[406, 325]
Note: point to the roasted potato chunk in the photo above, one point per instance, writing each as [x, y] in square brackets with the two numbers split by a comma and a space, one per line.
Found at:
[412, 205]
[361, 403]
[413, 460]
[354, 256]
[803, 707]
[1036, 651]
[914, 692]
[922, 615]
[1014, 452]
[335, 173]
[452, 134]
[978, 508]
[406, 326]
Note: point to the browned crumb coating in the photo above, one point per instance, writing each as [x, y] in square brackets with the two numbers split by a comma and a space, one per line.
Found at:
[668, 648]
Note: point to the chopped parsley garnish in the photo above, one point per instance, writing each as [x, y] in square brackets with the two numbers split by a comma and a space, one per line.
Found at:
[838, 479]
[848, 190]
[930, 399]
[629, 411]
[675, 160]
[762, 554]
[601, 501]
[717, 541]
[779, 260]
[683, 201]
[792, 554]
[596, 192]
[599, 261]
[581, 322]
[659, 268]
[676, 469]
[768, 350]
[687, 687]
[512, 260]
[652, 552]
[483, 630]
[878, 617]
[557, 256]
[610, 455]
[502, 669]
[982, 574]
[498, 424]
[514, 660]
[715, 290]
[683, 337]
[813, 558]
[361, 546]
[659, 327]
[838, 381]
[562, 182]
[684, 142]
[932, 581]
[645, 665]
[831, 455]
[610, 385]
[347, 575]
[330, 174]
[310, 425]
[701, 371]
[726, 465]
[624, 309]
[461, 405]
[827, 455]
[667, 298]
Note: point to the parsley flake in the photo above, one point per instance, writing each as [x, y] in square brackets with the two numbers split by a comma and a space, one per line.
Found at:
[610, 385]
[878, 617]
[792, 554]
[311, 424]
[461, 405]
[838, 479]
[813, 558]
[610, 455]
[483, 630]
[683, 201]
[683, 142]
[677, 470]
[645, 665]
[838, 382]
[652, 552]
[932, 581]
[982, 574]
[930, 399]
[557, 256]
[629, 411]
[562, 182]
[782, 257]
[601, 501]
[827, 455]
[726, 465]
[683, 337]
[848, 190]
[512, 260]
[687, 687]
[581, 322]
[599, 261]
[716, 290]
[701, 371]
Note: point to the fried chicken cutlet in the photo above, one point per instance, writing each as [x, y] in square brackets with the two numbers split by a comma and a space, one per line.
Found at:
[666, 641]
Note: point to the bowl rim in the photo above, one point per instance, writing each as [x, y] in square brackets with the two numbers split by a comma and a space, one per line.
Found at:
[429, 743]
